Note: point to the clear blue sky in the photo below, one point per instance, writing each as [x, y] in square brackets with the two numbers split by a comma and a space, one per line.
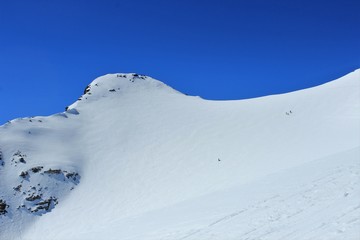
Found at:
[50, 50]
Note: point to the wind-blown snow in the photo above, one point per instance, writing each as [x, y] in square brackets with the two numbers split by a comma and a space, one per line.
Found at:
[152, 163]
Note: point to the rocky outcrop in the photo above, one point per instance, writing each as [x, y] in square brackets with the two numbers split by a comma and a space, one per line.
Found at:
[36, 169]
[38, 189]
[53, 171]
[45, 205]
[24, 174]
[2, 163]
[18, 157]
[3, 207]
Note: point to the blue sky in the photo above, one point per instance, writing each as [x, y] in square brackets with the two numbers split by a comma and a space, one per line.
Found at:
[50, 50]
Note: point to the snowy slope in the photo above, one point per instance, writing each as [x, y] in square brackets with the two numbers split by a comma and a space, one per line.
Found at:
[135, 159]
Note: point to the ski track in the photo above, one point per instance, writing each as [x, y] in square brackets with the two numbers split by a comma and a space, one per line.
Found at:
[274, 214]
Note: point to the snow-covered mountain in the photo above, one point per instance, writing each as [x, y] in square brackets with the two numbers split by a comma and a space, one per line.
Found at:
[133, 158]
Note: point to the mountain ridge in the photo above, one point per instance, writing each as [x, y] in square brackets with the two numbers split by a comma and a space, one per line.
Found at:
[138, 150]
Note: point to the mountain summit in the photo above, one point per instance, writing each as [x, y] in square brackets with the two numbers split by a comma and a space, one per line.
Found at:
[134, 159]
[121, 83]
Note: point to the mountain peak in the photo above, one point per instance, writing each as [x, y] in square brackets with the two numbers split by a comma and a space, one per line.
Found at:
[125, 81]
[120, 84]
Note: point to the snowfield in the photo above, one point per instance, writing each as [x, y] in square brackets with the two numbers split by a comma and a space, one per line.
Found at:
[133, 159]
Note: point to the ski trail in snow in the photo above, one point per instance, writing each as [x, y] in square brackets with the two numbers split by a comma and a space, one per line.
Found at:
[319, 195]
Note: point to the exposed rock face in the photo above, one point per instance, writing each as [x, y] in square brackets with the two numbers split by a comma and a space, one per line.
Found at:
[53, 171]
[45, 205]
[33, 198]
[3, 207]
[36, 169]
[1, 159]
[87, 89]
[38, 189]
[24, 174]
[18, 157]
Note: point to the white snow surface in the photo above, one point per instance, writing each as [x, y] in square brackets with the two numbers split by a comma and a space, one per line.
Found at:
[156, 164]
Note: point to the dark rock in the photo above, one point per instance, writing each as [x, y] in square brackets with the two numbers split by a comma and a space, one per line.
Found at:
[24, 174]
[53, 171]
[36, 169]
[18, 153]
[73, 176]
[87, 89]
[2, 163]
[18, 157]
[45, 205]
[33, 198]
[3, 207]
[18, 188]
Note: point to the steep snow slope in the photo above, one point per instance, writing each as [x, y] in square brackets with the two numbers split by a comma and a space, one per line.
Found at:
[147, 162]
